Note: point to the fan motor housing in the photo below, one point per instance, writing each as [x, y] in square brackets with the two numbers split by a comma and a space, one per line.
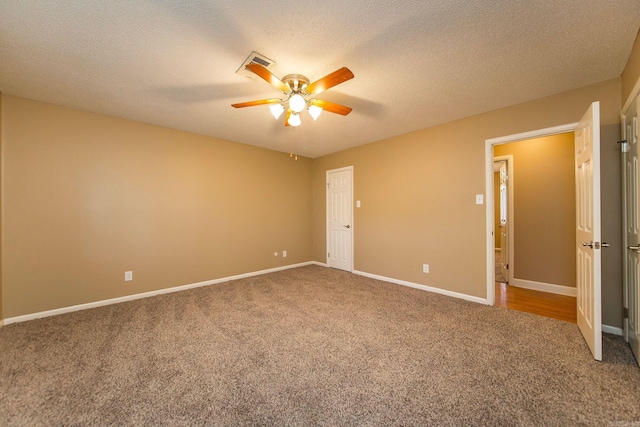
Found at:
[297, 82]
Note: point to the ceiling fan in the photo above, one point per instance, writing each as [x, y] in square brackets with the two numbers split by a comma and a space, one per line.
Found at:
[298, 94]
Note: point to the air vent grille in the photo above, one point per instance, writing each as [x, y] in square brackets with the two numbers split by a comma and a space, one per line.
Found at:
[254, 57]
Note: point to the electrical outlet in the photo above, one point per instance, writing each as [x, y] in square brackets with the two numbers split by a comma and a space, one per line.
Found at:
[284, 254]
[128, 276]
[425, 268]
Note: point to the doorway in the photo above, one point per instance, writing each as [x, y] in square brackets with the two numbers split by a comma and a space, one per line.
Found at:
[543, 213]
[587, 220]
[540, 268]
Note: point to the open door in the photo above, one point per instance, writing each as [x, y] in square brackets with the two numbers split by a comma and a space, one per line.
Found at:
[588, 232]
[504, 226]
[631, 223]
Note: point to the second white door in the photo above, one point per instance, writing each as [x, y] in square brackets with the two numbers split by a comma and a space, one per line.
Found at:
[340, 218]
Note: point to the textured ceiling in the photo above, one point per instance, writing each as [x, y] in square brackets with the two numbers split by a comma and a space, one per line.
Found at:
[416, 63]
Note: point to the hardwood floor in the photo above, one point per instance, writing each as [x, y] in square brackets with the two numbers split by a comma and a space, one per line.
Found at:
[536, 302]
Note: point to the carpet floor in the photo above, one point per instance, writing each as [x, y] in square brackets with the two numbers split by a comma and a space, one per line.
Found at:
[310, 346]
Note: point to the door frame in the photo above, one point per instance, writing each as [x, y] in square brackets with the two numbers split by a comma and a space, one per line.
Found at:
[327, 216]
[508, 159]
[490, 220]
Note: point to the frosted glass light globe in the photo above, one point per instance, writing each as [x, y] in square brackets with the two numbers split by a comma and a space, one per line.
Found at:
[297, 103]
[276, 110]
[315, 111]
[294, 120]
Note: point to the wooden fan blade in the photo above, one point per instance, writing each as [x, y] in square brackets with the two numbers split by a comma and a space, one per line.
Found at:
[330, 80]
[268, 77]
[258, 102]
[331, 107]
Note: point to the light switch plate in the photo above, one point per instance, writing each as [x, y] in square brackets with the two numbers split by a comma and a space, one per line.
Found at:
[479, 199]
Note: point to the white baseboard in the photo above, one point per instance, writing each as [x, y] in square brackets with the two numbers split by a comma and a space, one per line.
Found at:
[612, 330]
[605, 328]
[423, 287]
[544, 287]
[133, 297]
[321, 264]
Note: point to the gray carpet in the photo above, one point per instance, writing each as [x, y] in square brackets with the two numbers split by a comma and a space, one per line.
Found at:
[310, 346]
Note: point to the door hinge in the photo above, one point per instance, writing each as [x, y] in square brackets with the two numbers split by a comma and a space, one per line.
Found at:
[625, 312]
[507, 267]
[327, 185]
[328, 255]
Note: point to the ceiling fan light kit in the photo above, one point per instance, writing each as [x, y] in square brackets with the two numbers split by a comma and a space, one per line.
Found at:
[297, 91]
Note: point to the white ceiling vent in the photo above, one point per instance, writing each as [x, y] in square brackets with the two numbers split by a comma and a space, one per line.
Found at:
[258, 59]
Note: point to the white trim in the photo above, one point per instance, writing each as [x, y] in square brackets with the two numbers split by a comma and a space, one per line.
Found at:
[489, 221]
[318, 263]
[612, 330]
[544, 287]
[133, 297]
[423, 287]
[327, 173]
[570, 127]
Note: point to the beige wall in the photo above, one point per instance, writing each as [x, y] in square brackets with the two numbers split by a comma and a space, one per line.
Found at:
[544, 208]
[87, 197]
[418, 195]
[631, 72]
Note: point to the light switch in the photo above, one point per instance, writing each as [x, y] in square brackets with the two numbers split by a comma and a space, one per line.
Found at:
[479, 199]
[357, 203]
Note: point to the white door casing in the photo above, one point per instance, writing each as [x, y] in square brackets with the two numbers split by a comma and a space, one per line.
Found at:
[340, 218]
[631, 224]
[588, 230]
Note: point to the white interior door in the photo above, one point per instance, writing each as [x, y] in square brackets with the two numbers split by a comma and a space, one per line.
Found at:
[504, 219]
[588, 233]
[340, 219]
[631, 226]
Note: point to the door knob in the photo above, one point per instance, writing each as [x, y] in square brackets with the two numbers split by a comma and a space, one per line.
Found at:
[347, 226]
[634, 248]
[590, 244]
